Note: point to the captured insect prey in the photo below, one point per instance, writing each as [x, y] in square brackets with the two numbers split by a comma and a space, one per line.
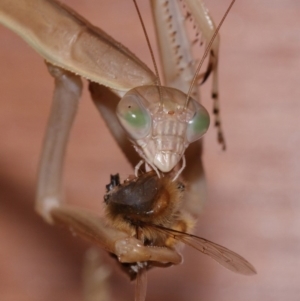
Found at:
[151, 209]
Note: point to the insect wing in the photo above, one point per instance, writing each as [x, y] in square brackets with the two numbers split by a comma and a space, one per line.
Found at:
[222, 255]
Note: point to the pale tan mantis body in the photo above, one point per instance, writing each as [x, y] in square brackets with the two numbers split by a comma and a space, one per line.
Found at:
[70, 43]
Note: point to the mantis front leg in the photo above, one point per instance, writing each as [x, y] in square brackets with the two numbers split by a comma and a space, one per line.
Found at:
[106, 103]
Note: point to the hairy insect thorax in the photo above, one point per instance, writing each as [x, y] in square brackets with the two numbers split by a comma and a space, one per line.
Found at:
[143, 202]
[160, 125]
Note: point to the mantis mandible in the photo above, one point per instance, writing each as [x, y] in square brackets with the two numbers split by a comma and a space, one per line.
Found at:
[74, 48]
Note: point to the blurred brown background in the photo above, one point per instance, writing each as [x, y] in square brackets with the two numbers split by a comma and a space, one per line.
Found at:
[253, 204]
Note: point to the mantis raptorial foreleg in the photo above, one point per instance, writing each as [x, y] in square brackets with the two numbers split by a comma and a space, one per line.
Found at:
[106, 102]
[195, 179]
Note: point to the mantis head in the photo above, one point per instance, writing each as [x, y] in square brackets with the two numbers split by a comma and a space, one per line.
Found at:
[160, 124]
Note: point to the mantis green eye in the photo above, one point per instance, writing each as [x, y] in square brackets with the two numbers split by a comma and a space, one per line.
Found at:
[198, 125]
[133, 116]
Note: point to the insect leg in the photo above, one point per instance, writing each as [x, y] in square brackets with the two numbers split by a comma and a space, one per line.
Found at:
[65, 101]
[205, 23]
[175, 48]
[194, 175]
[95, 277]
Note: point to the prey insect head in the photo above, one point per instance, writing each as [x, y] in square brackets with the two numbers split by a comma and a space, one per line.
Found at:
[159, 133]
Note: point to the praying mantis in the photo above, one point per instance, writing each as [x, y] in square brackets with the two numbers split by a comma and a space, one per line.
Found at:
[75, 48]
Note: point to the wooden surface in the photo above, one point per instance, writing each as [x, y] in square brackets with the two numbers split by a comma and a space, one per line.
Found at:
[253, 203]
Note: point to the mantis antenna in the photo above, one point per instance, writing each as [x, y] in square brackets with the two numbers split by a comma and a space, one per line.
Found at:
[206, 53]
[151, 52]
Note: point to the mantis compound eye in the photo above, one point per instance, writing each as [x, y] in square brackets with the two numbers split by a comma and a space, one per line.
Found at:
[198, 125]
[133, 116]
